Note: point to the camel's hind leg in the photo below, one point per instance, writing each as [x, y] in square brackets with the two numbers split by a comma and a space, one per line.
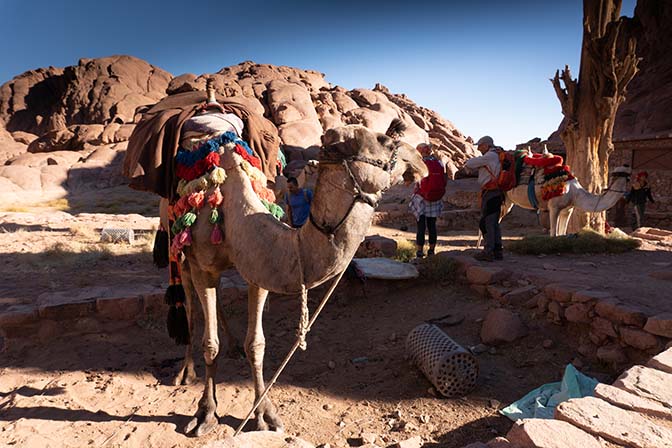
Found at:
[563, 220]
[187, 374]
[234, 349]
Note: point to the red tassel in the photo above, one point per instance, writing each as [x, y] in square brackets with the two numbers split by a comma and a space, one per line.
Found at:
[216, 236]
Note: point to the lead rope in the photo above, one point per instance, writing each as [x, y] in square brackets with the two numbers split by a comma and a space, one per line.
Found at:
[291, 352]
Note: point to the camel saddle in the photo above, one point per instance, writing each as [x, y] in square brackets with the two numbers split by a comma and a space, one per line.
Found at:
[149, 160]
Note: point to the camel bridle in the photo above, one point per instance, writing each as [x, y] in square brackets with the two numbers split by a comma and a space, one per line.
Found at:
[358, 194]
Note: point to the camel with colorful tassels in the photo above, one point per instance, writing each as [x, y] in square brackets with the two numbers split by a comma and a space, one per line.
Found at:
[558, 192]
[356, 166]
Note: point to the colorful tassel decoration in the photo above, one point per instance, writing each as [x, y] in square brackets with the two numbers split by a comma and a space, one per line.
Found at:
[216, 236]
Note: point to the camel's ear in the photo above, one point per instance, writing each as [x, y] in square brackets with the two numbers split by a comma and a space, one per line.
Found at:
[397, 129]
[384, 140]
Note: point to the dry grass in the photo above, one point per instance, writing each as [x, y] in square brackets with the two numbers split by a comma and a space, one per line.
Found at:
[585, 242]
[439, 269]
[15, 209]
[405, 251]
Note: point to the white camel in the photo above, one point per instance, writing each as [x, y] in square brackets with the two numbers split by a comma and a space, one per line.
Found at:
[560, 208]
[356, 166]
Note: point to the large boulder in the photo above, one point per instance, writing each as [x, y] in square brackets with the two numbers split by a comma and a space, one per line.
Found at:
[95, 91]
[501, 326]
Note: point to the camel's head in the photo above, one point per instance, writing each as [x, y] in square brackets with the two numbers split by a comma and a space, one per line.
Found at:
[376, 160]
[621, 176]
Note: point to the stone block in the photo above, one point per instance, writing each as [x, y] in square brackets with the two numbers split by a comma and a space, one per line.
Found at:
[578, 313]
[22, 331]
[612, 354]
[540, 433]
[647, 383]
[19, 317]
[627, 400]
[154, 303]
[626, 428]
[520, 295]
[662, 361]
[497, 292]
[414, 442]
[123, 308]
[377, 246]
[555, 312]
[481, 290]
[482, 275]
[613, 310]
[660, 325]
[586, 295]
[604, 326]
[597, 337]
[559, 292]
[501, 326]
[542, 302]
[634, 337]
[63, 311]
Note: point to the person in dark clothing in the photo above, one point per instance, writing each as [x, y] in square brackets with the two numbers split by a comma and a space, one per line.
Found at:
[639, 193]
[492, 197]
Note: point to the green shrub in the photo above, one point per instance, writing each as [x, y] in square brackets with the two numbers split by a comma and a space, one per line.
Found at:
[405, 251]
[587, 241]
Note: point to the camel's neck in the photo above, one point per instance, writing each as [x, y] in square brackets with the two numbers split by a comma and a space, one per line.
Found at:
[333, 203]
[277, 258]
[593, 203]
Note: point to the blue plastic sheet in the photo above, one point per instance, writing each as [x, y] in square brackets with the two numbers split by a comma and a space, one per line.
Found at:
[541, 402]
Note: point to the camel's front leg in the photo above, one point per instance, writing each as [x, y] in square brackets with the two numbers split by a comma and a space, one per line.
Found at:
[553, 215]
[187, 374]
[255, 343]
[205, 419]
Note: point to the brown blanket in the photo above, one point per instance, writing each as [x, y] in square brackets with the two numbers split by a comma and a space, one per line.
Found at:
[149, 161]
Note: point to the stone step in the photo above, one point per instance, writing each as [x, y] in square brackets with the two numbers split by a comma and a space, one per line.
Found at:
[538, 433]
[662, 361]
[647, 383]
[602, 419]
[629, 401]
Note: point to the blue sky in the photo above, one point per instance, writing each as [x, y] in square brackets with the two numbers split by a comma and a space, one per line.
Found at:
[483, 64]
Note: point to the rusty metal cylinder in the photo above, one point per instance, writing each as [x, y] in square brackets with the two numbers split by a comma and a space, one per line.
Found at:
[452, 369]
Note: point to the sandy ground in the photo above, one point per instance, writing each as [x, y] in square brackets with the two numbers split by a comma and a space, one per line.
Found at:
[112, 389]
[642, 277]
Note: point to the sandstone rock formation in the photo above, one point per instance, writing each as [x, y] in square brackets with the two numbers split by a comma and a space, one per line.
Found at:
[95, 91]
[646, 111]
[90, 110]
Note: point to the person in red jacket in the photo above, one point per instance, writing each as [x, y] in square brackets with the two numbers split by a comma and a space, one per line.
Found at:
[426, 204]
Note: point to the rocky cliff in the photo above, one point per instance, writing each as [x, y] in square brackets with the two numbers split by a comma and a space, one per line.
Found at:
[646, 110]
[73, 123]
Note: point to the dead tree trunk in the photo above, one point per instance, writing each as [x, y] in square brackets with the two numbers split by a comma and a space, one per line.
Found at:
[589, 104]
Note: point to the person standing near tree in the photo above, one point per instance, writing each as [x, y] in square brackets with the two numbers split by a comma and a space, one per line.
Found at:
[426, 203]
[488, 166]
[640, 192]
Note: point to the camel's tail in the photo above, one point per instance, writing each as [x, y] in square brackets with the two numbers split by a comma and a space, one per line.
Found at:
[593, 203]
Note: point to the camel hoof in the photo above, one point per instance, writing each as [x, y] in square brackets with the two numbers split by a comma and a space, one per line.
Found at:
[201, 426]
[185, 377]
